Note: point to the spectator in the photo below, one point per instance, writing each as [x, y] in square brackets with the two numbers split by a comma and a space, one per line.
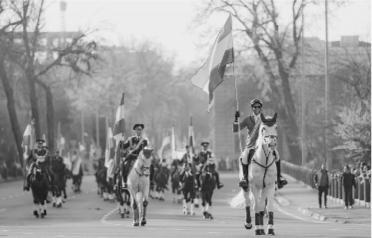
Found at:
[321, 180]
[348, 181]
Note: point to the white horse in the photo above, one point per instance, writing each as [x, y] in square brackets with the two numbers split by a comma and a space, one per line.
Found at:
[139, 185]
[262, 178]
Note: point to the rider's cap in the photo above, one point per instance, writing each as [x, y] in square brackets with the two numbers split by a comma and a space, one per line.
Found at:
[40, 141]
[256, 101]
[147, 149]
[204, 143]
[138, 125]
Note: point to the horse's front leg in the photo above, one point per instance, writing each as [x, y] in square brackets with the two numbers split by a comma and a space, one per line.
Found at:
[270, 209]
[135, 211]
[258, 210]
[247, 201]
[145, 200]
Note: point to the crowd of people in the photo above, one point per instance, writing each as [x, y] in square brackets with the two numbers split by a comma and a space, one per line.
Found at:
[349, 178]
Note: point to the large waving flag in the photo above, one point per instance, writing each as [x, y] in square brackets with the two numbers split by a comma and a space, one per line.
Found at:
[119, 125]
[211, 74]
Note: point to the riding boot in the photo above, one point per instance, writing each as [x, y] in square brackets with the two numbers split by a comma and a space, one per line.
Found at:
[281, 181]
[219, 184]
[244, 181]
[125, 174]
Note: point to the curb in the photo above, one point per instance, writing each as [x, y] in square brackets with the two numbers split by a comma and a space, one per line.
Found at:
[307, 212]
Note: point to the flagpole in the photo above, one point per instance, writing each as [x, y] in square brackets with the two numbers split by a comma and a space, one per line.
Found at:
[237, 109]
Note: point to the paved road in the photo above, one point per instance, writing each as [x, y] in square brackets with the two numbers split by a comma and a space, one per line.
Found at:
[86, 215]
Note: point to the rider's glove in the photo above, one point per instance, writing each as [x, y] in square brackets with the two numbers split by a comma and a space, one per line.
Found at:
[237, 115]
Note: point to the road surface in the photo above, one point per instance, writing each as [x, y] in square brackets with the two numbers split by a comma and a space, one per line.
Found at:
[87, 215]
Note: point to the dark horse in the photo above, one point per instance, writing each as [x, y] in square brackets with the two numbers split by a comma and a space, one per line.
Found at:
[59, 180]
[207, 186]
[122, 194]
[39, 186]
[175, 175]
[188, 189]
[161, 179]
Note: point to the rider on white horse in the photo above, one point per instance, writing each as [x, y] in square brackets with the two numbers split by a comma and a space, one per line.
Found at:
[252, 123]
[134, 144]
[139, 180]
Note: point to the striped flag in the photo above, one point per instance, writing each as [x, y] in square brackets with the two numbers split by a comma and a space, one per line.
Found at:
[211, 74]
[119, 125]
[110, 147]
[191, 138]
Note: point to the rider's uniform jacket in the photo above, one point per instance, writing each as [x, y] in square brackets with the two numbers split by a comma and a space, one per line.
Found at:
[204, 155]
[252, 123]
[132, 143]
[41, 158]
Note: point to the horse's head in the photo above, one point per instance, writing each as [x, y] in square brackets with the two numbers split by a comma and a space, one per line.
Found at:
[268, 133]
[37, 173]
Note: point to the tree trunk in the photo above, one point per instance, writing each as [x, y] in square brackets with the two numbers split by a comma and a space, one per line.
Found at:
[12, 112]
[50, 118]
[34, 105]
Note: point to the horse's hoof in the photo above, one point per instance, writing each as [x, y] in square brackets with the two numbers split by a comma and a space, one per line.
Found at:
[59, 205]
[36, 214]
[44, 213]
[54, 204]
[122, 215]
[143, 222]
[136, 223]
[248, 226]
[271, 232]
[205, 215]
[262, 232]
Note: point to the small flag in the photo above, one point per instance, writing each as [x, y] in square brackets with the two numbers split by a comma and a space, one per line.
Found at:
[119, 125]
[29, 139]
[191, 138]
[211, 74]
[173, 144]
[110, 147]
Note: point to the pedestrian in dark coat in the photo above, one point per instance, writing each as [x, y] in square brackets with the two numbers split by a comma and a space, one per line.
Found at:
[348, 181]
[321, 180]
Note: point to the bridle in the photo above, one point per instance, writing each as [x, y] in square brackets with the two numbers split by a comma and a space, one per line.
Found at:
[267, 165]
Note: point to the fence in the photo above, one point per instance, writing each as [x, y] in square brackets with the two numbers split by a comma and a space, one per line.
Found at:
[361, 192]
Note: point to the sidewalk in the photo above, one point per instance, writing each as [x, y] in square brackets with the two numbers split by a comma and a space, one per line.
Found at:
[305, 200]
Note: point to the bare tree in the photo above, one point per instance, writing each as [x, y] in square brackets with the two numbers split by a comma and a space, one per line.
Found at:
[76, 55]
[6, 46]
[277, 48]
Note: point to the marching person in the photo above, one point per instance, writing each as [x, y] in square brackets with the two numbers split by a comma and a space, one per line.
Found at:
[134, 145]
[252, 123]
[205, 158]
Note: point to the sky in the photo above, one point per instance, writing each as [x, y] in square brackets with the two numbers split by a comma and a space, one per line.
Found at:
[169, 23]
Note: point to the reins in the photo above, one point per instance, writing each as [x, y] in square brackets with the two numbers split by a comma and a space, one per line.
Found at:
[264, 166]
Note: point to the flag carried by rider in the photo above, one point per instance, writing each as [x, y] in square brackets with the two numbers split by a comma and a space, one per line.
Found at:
[119, 125]
[29, 139]
[211, 74]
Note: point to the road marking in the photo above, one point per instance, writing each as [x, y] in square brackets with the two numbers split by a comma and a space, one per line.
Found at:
[104, 218]
[277, 207]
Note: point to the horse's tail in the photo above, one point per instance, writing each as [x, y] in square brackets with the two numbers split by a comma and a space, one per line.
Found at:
[238, 201]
